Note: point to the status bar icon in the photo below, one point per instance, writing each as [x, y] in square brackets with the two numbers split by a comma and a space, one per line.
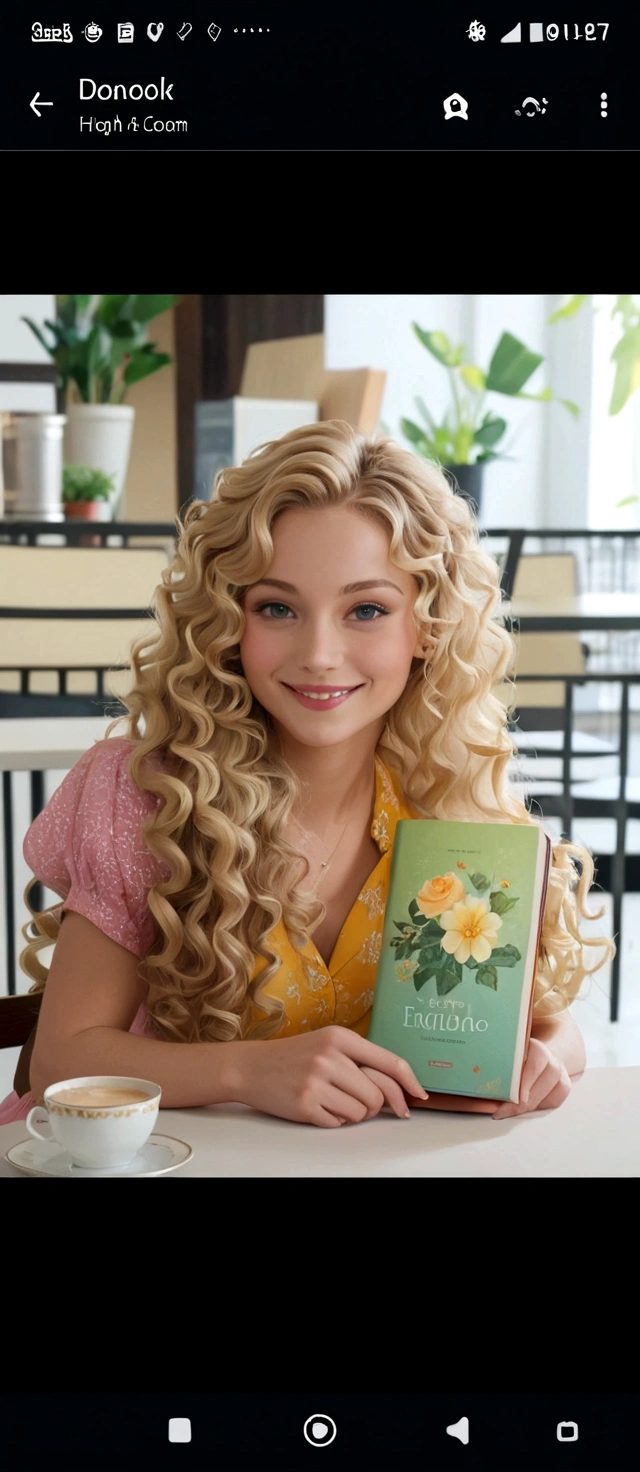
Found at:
[535, 32]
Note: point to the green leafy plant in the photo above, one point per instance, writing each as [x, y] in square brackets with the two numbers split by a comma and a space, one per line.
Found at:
[466, 434]
[100, 343]
[625, 355]
[83, 483]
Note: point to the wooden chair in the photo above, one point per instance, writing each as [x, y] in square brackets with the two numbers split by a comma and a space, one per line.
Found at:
[615, 797]
[68, 616]
[554, 572]
[541, 705]
[18, 1023]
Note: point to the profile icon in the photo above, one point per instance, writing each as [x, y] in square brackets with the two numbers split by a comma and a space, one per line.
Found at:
[456, 106]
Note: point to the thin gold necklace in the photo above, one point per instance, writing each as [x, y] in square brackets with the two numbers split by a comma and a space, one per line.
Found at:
[309, 833]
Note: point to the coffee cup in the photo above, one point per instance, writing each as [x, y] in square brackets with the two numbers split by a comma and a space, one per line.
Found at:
[100, 1120]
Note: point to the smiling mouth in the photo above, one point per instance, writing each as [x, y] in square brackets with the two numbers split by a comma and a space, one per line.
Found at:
[322, 694]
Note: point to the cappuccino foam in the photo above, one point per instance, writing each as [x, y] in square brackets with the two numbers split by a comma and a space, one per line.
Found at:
[99, 1097]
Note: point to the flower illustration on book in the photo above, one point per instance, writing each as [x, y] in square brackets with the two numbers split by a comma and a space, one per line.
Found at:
[405, 970]
[471, 929]
[439, 893]
[451, 928]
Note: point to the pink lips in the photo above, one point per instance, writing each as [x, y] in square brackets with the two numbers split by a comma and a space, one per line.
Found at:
[327, 704]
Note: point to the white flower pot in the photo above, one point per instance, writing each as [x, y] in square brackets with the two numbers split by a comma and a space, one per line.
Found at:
[100, 435]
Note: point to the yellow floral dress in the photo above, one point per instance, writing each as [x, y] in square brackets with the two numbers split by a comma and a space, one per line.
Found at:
[315, 994]
[85, 846]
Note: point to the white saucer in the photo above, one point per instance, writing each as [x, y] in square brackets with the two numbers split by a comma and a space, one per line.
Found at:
[160, 1154]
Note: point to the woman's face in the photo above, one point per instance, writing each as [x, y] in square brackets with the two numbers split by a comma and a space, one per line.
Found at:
[322, 636]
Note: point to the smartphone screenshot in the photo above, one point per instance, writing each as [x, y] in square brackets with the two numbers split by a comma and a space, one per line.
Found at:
[262, 76]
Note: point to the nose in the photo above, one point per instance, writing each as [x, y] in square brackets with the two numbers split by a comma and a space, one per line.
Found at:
[321, 645]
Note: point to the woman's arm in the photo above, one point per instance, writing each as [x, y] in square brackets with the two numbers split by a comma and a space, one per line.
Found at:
[90, 999]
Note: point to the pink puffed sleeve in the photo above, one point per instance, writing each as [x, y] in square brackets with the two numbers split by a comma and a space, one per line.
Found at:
[87, 845]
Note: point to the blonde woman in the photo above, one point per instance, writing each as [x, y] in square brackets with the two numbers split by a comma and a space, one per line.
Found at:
[223, 866]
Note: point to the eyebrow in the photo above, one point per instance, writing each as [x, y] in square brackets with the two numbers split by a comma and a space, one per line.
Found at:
[348, 587]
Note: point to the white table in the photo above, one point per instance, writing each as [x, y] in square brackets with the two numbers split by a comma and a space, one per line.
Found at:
[596, 1132]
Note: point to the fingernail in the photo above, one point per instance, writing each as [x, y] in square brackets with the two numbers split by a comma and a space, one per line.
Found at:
[423, 1092]
[407, 1114]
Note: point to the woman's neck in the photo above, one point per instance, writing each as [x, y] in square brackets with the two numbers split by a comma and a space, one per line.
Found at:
[336, 786]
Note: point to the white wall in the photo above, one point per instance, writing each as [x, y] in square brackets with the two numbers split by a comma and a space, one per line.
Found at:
[546, 483]
[18, 344]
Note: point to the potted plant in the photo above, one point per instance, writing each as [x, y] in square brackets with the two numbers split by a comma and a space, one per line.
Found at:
[86, 494]
[467, 437]
[99, 346]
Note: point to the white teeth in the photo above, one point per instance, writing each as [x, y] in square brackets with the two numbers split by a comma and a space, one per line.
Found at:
[308, 694]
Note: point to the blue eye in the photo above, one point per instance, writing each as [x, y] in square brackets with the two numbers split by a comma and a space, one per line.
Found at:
[261, 607]
[377, 606]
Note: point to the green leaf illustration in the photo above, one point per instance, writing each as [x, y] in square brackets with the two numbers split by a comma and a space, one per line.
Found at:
[488, 976]
[403, 950]
[480, 882]
[500, 902]
[422, 976]
[505, 956]
[432, 927]
[448, 977]
[433, 956]
[501, 956]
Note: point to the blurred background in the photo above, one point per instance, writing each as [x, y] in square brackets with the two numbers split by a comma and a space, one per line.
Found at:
[116, 411]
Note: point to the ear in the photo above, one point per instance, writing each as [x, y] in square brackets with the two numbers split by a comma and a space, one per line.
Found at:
[425, 648]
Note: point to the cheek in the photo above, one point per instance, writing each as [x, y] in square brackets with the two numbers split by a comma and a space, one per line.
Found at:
[258, 650]
[392, 652]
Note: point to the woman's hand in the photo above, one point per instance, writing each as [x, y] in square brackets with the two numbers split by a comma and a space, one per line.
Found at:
[545, 1082]
[328, 1077]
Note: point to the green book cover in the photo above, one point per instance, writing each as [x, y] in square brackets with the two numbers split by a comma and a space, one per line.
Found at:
[455, 980]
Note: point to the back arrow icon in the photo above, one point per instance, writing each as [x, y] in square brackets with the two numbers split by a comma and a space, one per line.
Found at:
[42, 104]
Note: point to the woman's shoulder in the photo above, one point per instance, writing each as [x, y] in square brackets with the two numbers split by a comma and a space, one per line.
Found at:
[96, 796]
[87, 843]
[106, 763]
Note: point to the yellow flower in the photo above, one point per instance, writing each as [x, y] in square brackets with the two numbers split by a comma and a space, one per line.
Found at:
[461, 865]
[470, 930]
[405, 969]
[436, 894]
[504, 884]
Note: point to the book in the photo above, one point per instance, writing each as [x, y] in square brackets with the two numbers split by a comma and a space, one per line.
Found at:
[455, 981]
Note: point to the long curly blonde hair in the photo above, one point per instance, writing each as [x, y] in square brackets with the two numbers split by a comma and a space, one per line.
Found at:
[226, 792]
